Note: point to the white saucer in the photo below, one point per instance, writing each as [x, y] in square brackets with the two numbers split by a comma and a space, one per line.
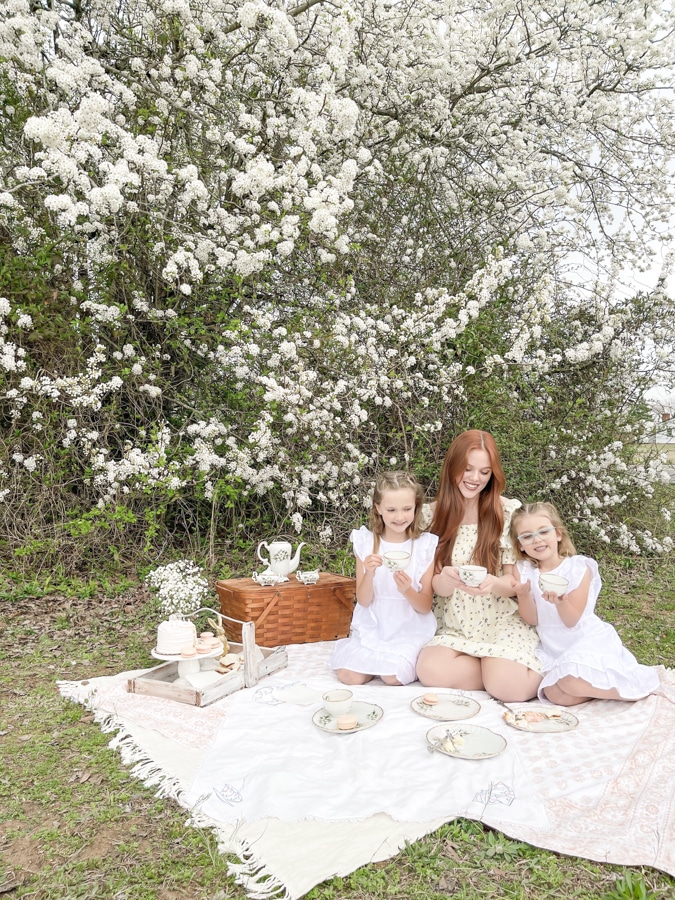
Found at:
[449, 708]
[465, 741]
[367, 715]
[554, 719]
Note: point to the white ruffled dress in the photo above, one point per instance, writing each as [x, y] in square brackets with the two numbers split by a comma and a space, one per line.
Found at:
[387, 636]
[591, 649]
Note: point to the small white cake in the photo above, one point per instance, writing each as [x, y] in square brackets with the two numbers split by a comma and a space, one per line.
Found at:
[175, 634]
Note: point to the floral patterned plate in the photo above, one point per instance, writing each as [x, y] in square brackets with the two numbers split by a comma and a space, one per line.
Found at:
[449, 707]
[540, 719]
[465, 741]
[367, 715]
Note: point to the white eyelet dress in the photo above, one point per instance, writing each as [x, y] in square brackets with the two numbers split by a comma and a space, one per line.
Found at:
[387, 636]
[487, 625]
[591, 649]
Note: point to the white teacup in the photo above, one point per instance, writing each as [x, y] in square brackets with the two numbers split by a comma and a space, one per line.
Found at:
[338, 702]
[307, 577]
[396, 559]
[555, 583]
[267, 579]
[472, 576]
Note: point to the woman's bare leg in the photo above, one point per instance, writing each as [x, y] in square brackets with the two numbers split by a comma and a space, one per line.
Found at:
[439, 666]
[570, 691]
[346, 676]
[509, 681]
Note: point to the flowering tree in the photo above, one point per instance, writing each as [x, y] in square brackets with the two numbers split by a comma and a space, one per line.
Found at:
[255, 252]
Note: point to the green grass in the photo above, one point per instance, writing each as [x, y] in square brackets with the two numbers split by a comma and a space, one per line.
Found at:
[75, 824]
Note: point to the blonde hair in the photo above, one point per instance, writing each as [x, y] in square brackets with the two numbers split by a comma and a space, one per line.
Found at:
[395, 481]
[565, 545]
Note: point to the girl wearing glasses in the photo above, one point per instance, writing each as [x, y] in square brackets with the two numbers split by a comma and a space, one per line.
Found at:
[582, 657]
[481, 642]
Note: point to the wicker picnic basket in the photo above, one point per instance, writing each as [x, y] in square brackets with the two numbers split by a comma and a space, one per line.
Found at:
[289, 613]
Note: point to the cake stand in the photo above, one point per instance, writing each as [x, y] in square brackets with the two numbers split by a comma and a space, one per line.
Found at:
[188, 666]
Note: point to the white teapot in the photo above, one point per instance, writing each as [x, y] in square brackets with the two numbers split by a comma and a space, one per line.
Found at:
[280, 560]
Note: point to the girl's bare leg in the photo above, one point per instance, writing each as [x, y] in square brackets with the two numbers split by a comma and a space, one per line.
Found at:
[509, 681]
[346, 676]
[390, 679]
[439, 666]
[570, 691]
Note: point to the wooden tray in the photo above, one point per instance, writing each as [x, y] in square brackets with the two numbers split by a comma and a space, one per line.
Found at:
[160, 681]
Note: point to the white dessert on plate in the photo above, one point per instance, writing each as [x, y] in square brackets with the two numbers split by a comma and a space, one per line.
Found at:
[175, 634]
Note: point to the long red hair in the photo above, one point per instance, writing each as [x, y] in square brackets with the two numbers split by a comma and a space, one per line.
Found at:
[450, 504]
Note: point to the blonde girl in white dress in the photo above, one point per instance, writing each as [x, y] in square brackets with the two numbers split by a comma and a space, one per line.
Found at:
[582, 656]
[481, 643]
[392, 619]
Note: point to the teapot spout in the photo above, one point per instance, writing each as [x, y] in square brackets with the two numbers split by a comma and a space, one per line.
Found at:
[293, 563]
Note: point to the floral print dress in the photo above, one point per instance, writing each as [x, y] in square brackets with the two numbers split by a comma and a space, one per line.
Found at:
[487, 625]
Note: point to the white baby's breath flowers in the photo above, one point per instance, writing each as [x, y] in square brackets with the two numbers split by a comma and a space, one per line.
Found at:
[180, 586]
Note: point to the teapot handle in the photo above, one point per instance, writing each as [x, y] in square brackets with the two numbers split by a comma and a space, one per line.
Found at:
[260, 556]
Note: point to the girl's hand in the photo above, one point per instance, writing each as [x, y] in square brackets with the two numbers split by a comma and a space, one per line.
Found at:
[372, 562]
[523, 589]
[526, 605]
[552, 597]
[403, 581]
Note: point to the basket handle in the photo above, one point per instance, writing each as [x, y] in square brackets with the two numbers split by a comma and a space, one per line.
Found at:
[343, 598]
[214, 612]
[268, 609]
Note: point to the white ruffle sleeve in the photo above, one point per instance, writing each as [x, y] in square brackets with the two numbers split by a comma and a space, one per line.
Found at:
[424, 549]
[362, 541]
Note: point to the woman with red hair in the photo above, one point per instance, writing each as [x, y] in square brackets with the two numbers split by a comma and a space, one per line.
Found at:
[481, 642]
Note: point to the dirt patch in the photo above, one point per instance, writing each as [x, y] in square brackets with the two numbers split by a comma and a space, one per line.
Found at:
[22, 854]
[33, 812]
[107, 840]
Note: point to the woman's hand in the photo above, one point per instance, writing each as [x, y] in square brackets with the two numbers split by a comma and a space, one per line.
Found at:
[447, 580]
[490, 585]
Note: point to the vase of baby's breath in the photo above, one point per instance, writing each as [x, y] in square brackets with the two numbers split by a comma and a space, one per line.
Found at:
[180, 586]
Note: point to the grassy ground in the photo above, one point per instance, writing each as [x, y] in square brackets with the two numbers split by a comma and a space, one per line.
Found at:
[74, 824]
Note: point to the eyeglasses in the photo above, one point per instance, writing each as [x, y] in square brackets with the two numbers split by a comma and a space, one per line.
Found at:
[531, 536]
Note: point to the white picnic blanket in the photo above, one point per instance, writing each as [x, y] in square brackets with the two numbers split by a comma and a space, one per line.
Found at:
[298, 805]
